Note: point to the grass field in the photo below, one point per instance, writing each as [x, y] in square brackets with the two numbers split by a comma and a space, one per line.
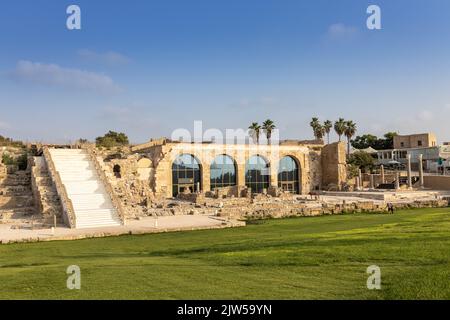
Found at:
[300, 258]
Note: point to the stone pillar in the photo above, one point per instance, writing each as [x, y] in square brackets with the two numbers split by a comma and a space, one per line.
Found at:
[408, 158]
[382, 174]
[397, 181]
[206, 179]
[273, 174]
[240, 174]
[360, 178]
[358, 184]
[372, 184]
[421, 171]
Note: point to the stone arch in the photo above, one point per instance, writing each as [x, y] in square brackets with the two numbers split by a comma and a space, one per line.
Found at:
[186, 174]
[144, 162]
[257, 173]
[223, 171]
[289, 174]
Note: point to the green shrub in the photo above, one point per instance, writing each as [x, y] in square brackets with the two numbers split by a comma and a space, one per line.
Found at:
[22, 161]
[361, 160]
[112, 139]
[7, 159]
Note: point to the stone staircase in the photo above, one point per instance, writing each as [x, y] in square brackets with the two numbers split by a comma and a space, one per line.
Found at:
[45, 193]
[92, 205]
[16, 197]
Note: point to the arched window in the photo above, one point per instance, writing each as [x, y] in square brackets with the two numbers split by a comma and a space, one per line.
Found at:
[257, 174]
[223, 172]
[288, 175]
[116, 170]
[185, 174]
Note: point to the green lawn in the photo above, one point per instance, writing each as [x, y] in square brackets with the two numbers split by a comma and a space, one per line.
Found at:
[301, 258]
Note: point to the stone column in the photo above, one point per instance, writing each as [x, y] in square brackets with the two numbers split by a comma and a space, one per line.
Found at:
[421, 171]
[372, 184]
[273, 173]
[358, 184]
[240, 174]
[408, 158]
[382, 174]
[206, 179]
[397, 181]
[360, 178]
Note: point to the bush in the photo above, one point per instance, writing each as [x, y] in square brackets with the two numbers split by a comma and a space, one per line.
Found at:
[7, 160]
[361, 160]
[352, 171]
[22, 161]
[112, 139]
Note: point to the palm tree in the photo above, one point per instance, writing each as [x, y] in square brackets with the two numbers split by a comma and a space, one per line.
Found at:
[327, 125]
[339, 127]
[255, 130]
[350, 130]
[320, 132]
[314, 125]
[268, 126]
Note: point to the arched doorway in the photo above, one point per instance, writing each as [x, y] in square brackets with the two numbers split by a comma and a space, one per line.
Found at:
[185, 174]
[288, 175]
[257, 174]
[117, 171]
[223, 172]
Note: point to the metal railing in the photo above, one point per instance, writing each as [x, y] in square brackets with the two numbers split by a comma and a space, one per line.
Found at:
[90, 149]
[67, 205]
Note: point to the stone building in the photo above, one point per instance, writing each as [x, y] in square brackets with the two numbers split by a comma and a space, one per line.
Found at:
[172, 168]
[419, 140]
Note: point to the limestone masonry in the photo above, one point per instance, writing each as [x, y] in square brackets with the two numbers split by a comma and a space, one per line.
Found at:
[87, 187]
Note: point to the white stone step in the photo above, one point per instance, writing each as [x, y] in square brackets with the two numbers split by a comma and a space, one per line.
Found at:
[92, 204]
[82, 176]
[73, 163]
[82, 187]
[66, 151]
[97, 225]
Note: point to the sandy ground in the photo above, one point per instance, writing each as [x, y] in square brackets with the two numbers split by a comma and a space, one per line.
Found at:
[145, 225]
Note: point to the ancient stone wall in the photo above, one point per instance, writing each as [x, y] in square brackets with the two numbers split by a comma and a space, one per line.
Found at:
[437, 182]
[334, 166]
[306, 157]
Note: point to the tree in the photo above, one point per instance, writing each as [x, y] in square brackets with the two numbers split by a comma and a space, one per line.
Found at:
[339, 127]
[314, 125]
[350, 130]
[320, 132]
[389, 140]
[362, 160]
[112, 139]
[318, 129]
[327, 125]
[365, 141]
[369, 140]
[255, 130]
[268, 126]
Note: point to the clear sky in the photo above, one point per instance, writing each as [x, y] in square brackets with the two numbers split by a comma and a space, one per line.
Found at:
[149, 67]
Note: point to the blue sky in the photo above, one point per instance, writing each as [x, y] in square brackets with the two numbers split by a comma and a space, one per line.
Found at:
[150, 67]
